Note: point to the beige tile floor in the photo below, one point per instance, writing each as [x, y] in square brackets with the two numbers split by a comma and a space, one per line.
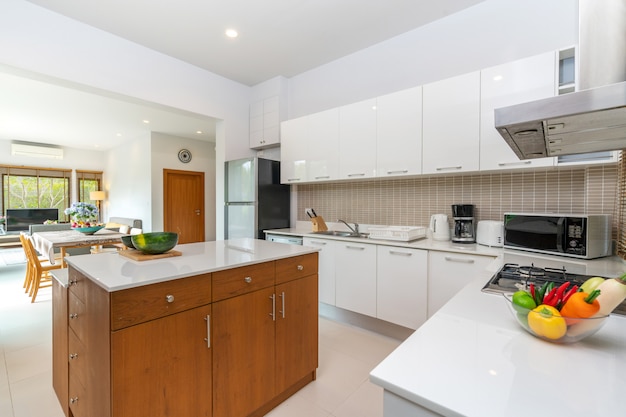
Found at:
[342, 389]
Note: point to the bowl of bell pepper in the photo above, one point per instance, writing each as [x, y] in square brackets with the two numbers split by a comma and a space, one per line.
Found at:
[557, 313]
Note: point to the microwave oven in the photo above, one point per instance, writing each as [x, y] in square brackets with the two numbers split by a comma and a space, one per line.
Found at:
[585, 236]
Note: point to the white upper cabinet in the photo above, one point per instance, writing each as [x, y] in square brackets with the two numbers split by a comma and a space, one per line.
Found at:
[265, 119]
[512, 83]
[399, 133]
[294, 150]
[451, 125]
[357, 140]
[323, 146]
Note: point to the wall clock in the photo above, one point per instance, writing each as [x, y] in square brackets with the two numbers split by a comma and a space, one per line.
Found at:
[184, 155]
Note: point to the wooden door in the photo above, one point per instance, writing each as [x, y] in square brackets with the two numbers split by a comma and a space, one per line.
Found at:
[243, 363]
[162, 368]
[183, 204]
[296, 331]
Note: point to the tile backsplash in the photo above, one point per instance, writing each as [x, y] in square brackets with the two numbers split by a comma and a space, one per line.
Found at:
[410, 202]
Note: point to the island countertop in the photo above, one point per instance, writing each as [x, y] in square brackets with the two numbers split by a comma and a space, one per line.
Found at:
[114, 272]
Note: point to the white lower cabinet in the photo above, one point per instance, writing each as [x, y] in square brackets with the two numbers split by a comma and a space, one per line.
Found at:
[326, 267]
[401, 285]
[448, 273]
[355, 275]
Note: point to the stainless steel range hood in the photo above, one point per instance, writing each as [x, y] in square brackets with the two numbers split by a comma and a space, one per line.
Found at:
[590, 120]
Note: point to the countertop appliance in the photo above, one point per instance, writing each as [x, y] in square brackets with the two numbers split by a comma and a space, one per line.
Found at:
[439, 227]
[255, 200]
[490, 233]
[590, 120]
[464, 227]
[512, 277]
[585, 236]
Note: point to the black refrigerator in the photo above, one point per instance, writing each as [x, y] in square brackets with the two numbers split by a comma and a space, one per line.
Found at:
[255, 200]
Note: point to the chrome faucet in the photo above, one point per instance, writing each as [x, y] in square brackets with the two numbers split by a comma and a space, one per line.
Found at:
[354, 230]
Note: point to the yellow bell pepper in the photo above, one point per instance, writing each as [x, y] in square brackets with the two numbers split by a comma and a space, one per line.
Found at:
[546, 321]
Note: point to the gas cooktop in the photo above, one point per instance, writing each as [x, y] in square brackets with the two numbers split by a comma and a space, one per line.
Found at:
[512, 277]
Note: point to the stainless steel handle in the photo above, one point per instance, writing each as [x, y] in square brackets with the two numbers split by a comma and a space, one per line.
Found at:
[463, 260]
[197, 212]
[73, 355]
[273, 313]
[401, 171]
[73, 400]
[317, 242]
[356, 174]
[300, 267]
[73, 282]
[449, 168]
[73, 315]
[503, 164]
[293, 179]
[322, 177]
[169, 298]
[355, 247]
[208, 331]
[282, 296]
[395, 252]
[247, 280]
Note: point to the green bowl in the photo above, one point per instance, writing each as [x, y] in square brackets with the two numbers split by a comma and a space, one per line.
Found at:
[88, 230]
[154, 243]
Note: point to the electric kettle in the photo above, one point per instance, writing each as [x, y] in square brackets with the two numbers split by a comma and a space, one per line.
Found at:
[439, 227]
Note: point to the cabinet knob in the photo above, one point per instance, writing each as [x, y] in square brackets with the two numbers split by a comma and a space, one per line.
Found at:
[73, 355]
[248, 280]
[73, 282]
[300, 267]
[73, 315]
[169, 298]
[73, 400]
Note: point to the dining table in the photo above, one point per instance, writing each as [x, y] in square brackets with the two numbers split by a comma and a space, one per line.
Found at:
[47, 242]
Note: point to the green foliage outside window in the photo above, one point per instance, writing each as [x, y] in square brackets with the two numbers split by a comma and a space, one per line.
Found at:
[35, 192]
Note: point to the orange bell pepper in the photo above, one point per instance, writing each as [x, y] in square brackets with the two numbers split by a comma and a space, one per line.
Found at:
[581, 305]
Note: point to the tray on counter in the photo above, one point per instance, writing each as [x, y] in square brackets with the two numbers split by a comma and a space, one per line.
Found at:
[137, 255]
[399, 233]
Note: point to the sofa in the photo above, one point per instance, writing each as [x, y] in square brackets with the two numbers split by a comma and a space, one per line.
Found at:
[114, 223]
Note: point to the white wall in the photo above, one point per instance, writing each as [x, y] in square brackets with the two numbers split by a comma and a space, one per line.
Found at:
[127, 181]
[164, 155]
[490, 33]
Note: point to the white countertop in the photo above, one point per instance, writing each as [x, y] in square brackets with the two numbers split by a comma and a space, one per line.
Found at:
[114, 272]
[473, 359]
[424, 243]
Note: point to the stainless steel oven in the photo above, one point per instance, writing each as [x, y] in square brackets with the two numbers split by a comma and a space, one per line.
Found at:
[578, 236]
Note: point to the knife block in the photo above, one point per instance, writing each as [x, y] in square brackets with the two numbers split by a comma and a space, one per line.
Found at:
[319, 225]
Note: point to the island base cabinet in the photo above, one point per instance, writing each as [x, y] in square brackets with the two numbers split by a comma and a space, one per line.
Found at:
[60, 353]
[243, 365]
[163, 367]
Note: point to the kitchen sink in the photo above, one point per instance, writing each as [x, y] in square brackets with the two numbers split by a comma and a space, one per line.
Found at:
[342, 234]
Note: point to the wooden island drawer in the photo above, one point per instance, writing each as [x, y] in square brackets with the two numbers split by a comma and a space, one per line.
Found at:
[238, 281]
[140, 304]
[296, 267]
[76, 283]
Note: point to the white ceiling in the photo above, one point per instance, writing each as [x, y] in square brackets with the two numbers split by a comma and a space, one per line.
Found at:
[276, 38]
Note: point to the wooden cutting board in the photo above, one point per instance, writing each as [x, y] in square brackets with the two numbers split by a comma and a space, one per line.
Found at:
[137, 255]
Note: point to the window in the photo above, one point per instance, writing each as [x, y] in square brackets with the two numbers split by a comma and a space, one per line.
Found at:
[621, 205]
[31, 187]
[88, 181]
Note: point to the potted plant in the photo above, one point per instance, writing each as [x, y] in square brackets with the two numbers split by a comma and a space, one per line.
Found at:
[82, 214]
[3, 221]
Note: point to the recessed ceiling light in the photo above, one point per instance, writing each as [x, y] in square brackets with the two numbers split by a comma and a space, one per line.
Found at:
[199, 132]
[146, 121]
[498, 78]
[119, 135]
[231, 33]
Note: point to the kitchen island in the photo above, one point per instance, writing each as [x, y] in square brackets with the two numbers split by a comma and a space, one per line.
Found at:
[473, 359]
[229, 328]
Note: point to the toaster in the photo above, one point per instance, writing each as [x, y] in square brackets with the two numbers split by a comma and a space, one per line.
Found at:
[490, 233]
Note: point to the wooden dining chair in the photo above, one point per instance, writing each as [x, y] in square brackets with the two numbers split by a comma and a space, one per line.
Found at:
[29, 267]
[38, 272]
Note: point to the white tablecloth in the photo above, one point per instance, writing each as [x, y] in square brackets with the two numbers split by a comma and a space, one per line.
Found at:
[46, 242]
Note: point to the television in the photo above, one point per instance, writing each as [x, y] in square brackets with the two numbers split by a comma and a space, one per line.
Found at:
[18, 220]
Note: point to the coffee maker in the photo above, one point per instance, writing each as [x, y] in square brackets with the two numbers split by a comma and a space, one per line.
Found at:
[464, 230]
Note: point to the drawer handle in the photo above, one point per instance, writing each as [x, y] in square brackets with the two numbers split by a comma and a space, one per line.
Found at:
[395, 252]
[73, 400]
[73, 316]
[73, 355]
[282, 297]
[401, 171]
[169, 298]
[451, 259]
[317, 242]
[247, 280]
[449, 168]
[355, 247]
[300, 268]
[273, 313]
